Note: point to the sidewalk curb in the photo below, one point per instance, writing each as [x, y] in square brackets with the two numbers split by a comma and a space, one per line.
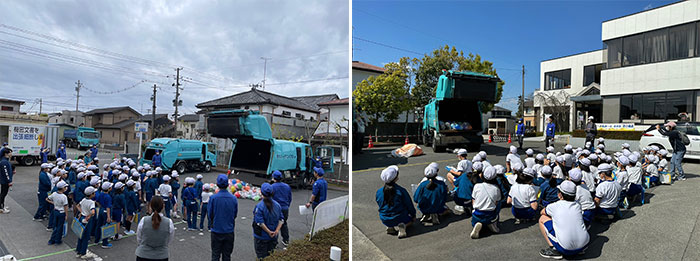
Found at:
[363, 248]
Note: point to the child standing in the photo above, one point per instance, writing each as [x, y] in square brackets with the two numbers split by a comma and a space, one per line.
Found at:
[583, 196]
[396, 209]
[175, 185]
[118, 206]
[431, 196]
[60, 208]
[86, 207]
[165, 191]
[485, 201]
[198, 187]
[608, 191]
[132, 204]
[206, 194]
[523, 197]
[189, 200]
[562, 224]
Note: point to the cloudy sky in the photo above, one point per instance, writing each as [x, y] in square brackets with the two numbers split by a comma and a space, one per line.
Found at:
[127, 46]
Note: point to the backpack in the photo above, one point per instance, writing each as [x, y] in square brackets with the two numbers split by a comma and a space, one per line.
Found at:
[685, 139]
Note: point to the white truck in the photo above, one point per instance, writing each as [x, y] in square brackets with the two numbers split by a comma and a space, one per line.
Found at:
[27, 139]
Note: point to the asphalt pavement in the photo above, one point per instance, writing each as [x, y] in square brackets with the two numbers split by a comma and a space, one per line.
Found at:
[662, 229]
[27, 239]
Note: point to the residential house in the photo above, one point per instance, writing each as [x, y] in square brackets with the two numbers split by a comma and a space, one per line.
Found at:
[530, 115]
[164, 127]
[115, 124]
[333, 130]
[10, 106]
[362, 71]
[68, 117]
[186, 126]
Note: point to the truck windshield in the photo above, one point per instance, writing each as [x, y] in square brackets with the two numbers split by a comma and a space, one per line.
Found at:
[90, 135]
[211, 147]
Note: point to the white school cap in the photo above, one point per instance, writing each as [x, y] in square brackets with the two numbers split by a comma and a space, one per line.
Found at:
[546, 170]
[89, 190]
[166, 178]
[461, 152]
[567, 187]
[489, 173]
[575, 174]
[389, 173]
[529, 172]
[529, 152]
[61, 184]
[430, 171]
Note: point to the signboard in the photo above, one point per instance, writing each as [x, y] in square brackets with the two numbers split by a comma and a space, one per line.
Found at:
[615, 126]
[26, 139]
[141, 126]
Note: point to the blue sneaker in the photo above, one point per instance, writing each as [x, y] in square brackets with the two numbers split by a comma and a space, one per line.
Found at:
[109, 245]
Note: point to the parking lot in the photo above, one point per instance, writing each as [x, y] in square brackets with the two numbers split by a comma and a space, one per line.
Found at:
[26, 239]
[662, 229]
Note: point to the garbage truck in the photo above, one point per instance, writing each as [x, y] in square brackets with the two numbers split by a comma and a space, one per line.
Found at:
[255, 151]
[26, 141]
[452, 119]
[181, 154]
[82, 137]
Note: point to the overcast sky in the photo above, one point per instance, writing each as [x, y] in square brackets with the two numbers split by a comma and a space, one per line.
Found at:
[45, 47]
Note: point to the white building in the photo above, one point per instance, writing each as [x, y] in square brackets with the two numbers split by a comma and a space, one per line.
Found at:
[362, 71]
[186, 126]
[334, 127]
[68, 117]
[10, 106]
[650, 68]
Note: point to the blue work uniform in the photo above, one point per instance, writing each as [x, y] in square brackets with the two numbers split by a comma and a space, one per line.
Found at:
[271, 217]
[43, 192]
[283, 196]
[118, 206]
[431, 201]
[149, 187]
[79, 192]
[61, 153]
[132, 202]
[400, 211]
[549, 194]
[320, 189]
[550, 129]
[5, 171]
[222, 210]
[198, 188]
[520, 130]
[44, 157]
[93, 152]
[189, 201]
[156, 160]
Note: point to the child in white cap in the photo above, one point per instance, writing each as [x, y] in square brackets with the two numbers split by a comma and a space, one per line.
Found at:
[86, 208]
[189, 201]
[622, 177]
[464, 166]
[464, 187]
[663, 163]
[431, 195]
[607, 193]
[132, 205]
[523, 197]
[587, 176]
[512, 158]
[559, 168]
[198, 187]
[530, 160]
[548, 188]
[562, 226]
[396, 209]
[634, 173]
[583, 196]
[60, 207]
[175, 185]
[486, 196]
[206, 194]
[484, 160]
[166, 192]
[651, 170]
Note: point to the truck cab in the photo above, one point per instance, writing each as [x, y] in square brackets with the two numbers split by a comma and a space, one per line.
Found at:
[254, 149]
[453, 116]
[82, 137]
[181, 154]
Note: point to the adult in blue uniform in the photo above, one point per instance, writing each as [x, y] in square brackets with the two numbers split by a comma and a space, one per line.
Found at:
[520, 132]
[5, 178]
[267, 222]
[43, 192]
[549, 131]
[156, 159]
[283, 196]
[61, 153]
[318, 193]
[395, 205]
[44, 153]
[93, 151]
[431, 196]
[222, 210]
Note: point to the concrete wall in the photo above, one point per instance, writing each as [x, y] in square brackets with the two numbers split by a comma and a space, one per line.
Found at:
[678, 13]
[15, 107]
[359, 75]
[675, 75]
[611, 109]
[65, 118]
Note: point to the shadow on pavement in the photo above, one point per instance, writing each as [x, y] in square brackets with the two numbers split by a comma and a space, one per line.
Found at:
[509, 226]
[418, 228]
[374, 159]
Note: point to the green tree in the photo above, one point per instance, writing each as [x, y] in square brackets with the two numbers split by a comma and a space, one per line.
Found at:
[448, 58]
[382, 96]
[519, 113]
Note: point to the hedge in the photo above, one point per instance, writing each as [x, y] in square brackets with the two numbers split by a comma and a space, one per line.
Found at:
[613, 135]
[319, 247]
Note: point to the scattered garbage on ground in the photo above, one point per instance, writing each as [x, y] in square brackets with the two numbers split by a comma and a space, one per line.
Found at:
[407, 151]
[241, 189]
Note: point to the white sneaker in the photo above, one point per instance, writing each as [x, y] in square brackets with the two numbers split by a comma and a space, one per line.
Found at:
[517, 221]
[6, 210]
[476, 230]
[402, 230]
[493, 227]
[459, 210]
[435, 218]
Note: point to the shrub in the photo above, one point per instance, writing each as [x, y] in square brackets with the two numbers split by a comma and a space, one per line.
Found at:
[319, 247]
[613, 135]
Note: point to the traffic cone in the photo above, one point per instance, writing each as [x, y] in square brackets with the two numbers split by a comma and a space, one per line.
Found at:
[405, 142]
[370, 143]
[490, 138]
[509, 141]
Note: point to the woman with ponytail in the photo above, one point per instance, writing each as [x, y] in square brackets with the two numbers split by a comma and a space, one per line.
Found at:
[431, 196]
[396, 209]
[154, 233]
[267, 215]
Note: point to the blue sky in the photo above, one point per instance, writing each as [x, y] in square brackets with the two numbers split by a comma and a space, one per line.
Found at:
[508, 33]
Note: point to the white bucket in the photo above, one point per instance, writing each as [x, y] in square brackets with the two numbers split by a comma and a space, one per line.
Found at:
[335, 253]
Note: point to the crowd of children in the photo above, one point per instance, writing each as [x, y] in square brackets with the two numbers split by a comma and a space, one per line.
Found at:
[568, 190]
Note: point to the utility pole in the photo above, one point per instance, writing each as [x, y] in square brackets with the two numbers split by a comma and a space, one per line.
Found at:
[153, 113]
[177, 102]
[41, 103]
[77, 96]
[522, 96]
[264, 71]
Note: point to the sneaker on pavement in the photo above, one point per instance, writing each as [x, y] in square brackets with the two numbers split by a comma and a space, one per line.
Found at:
[201, 230]
[402, 230]
[425, 218]
[476, 230]
[459, 210]
[6, 210]
[285, 243]
[517, 221]
[434, 217]
[494, 227]
[38, 219]
[49, 229]
[391, 231]
[550, 253]
[109, 245]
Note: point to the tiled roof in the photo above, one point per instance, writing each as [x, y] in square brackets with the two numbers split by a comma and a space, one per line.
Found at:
[335, 102]
[110, 110]
[366, 67]
[314, 100]
[255, 96]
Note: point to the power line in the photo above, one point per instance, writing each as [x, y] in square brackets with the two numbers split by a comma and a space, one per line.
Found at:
[386, 45]
[281, 83]
[115, 91]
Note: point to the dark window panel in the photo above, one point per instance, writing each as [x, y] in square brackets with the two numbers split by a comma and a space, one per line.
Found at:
[656, 46]
[681, 41]
[633, 50]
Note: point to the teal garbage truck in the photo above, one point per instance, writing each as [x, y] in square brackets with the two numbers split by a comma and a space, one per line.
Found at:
[452, 119]
[80, 138]
[181, 154]
[255, 151]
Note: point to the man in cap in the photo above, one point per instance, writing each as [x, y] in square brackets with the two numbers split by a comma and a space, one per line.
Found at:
[676, 139]
[520, 132]
[222, 209]
[156, 159]
[549, 132]
[43, 192]
[320, 187]
[93, 151]
[5, 178]
[562, 226]
[61, 152]
[591, 130]
[283, 196]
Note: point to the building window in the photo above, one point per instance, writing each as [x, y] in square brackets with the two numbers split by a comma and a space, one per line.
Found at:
[71, 119]
[286, 113]
[527, 123]
[299, 116]
[656, 106]
[6, 108]
[557, 80]
[681, 41]
[613, 53]
[633, 50]
[591, 74]
[112, 134]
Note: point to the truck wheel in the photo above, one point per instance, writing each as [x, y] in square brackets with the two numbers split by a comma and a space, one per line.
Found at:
[207, 166]
[425, 140]
[28, 160]
[437, 148]
[473, 147]
[181, 167]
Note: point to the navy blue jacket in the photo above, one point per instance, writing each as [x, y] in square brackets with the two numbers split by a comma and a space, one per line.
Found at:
[550, 129]
[269, 217]
[44, 182]
[283, 194]
[156, 160]
[521, 129]
[548, 193]
[431, 201]
[319, 190]
[198, 187]
[93, 153]
[44, 157]
[223, 209]
[402, 208]
[61, 153]
[5, 171]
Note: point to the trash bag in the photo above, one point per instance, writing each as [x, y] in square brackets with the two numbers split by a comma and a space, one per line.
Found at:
[407, 151]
